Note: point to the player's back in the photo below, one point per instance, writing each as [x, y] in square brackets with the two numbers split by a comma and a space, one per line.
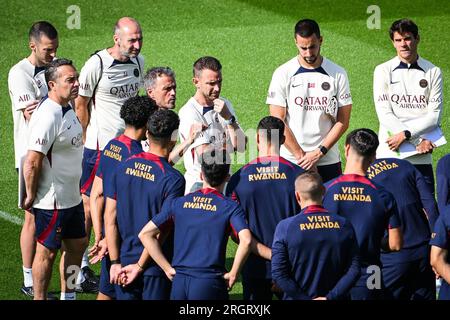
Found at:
[116, 151]
[203, 221]
[320, 248]
[412, 195]
[443, 182]
[368, 207]
[265, 188]
[141, 184]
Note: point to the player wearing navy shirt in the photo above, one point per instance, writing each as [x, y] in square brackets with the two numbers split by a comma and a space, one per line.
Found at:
[443, 182]
[440, 245]
[407, 274]
[265, 189]
[202, 222]
[140, 186]
[370, 208]
[135, 113]
[314, 253]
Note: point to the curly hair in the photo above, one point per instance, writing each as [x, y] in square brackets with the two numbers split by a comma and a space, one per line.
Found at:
[136, 110]
[162, 125]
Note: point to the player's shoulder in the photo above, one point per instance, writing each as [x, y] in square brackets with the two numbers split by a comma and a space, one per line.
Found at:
[388, 65]
[187, 111]
[97, 60]
[21, 69]
[427, 65]
[332, 68]
[288, 68]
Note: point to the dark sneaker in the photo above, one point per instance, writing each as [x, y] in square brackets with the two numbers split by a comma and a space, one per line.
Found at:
[89, 275]
[87, 286]
[28, 291]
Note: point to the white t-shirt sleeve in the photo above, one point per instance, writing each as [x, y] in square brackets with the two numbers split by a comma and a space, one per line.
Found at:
[434, 107]
[383, 107]
[90, 75]
[21, 89]
[277, 89]
[42, 132]
[344, 96]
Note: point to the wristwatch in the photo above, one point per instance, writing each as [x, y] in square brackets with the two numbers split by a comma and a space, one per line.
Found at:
[323, 149]
[407, 134]
[230, 121]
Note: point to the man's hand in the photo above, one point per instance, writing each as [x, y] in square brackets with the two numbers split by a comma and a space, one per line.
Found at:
[221, 107]
[170, 273]
[129, 273]
[396, 140]
[114, 273]
[230, 279]
[29, 109]
[28, 202]
[310, 159]
[425, 146]
[195, 130]
[98, 251]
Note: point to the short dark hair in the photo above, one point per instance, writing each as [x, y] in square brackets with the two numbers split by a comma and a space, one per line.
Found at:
[305, 28]
[215, 165]
[152, 74]
[364, 141]
[310, 183]
[273, 127]
[207, 62]
[42, 28]
[51, 73]
[136, 110]
[404, 25]
[161, 126]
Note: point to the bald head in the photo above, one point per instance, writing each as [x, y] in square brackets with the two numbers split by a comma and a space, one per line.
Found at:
[126, 23]
[309, 187]
[128, 37]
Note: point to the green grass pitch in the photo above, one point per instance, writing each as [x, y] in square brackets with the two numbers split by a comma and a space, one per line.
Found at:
[250, 37]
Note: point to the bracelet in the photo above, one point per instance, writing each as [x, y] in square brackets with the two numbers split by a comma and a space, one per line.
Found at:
[140, 267]
[115, 261]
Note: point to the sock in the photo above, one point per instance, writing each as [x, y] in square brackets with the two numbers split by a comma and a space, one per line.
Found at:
[80, 278]
[27, 277]
[68, 296]
[85, 260]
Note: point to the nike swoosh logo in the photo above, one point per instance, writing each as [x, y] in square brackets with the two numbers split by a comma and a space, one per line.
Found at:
[394, 82]
[68, 128]
[294, 86]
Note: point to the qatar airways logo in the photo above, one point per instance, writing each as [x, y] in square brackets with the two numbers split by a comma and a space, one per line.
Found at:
[125, 91]
[312, 103]
[407, 101]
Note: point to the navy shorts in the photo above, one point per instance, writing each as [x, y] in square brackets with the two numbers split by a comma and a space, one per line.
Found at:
[106, 287]
[52, 226]
[329, 171]
[258, 289]
[91, 160]
[444, 292]
[413, 280]
[185, 287]
[145, 288]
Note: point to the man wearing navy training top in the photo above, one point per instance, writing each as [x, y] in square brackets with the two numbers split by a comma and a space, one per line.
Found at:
[371, 209]
[135, 113]
[314, 253]
[407, 274]
[140, 186]
[202, 222]
[440, 245]
[265, 190]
